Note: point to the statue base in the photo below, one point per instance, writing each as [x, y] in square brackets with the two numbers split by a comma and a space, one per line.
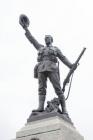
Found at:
[53, 127]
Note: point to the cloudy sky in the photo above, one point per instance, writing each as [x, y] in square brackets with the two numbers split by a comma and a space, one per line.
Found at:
[70, 22]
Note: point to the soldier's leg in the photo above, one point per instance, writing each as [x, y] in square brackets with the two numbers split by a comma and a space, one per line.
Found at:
[55, 80]
[42, 78]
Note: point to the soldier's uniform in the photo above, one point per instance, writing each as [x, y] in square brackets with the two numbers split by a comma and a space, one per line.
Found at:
[48, 67]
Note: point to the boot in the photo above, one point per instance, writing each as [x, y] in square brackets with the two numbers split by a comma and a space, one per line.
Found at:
[63, 104]
[41, 104]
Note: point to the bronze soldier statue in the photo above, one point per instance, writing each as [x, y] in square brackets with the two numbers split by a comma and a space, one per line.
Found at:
[47, 66]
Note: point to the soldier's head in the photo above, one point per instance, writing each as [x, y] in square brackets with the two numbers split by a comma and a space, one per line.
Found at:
[48, 40]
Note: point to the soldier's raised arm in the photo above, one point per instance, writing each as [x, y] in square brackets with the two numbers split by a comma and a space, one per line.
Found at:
[24, 22]
[64, 59]
[32, 39]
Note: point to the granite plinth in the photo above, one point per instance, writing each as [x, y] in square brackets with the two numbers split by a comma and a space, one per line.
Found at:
[44, 115]
[51, 128]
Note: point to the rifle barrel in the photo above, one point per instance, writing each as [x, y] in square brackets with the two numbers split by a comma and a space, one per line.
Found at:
[72, 69]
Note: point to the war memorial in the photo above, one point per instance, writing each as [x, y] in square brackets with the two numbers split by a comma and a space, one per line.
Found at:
[50, 122]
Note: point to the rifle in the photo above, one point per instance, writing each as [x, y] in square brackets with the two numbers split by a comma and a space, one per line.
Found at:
[72, 70]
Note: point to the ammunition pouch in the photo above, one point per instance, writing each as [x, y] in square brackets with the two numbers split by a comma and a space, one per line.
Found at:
[36, 71]
[50, 55]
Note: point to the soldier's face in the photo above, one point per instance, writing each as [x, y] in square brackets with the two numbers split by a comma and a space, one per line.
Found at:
[48, 40]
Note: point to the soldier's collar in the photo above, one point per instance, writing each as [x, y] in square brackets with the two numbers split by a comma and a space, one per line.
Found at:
[49, 46]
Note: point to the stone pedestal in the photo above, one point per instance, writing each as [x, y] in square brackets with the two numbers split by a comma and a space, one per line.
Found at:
[50, 128]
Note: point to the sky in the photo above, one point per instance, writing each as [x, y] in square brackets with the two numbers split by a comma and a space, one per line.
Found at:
[70, 22]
